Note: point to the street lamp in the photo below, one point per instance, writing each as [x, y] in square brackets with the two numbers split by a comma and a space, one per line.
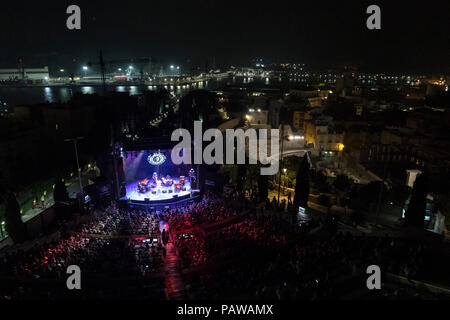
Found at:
[75, 140]
[61, 70]
[283, 137]
[85, 68]
[340, 148]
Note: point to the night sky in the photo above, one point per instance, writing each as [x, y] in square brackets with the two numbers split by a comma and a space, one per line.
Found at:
[415, 36]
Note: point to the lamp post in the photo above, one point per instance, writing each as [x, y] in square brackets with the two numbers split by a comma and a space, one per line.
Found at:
[340, 148]
[75, 140]
[283, 137]
[284, 180]
[85, 68]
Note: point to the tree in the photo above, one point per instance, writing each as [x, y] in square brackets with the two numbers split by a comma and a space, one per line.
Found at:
[16, 229]
[415, 213]
[60, 193]
[61, 197]
[302, 184]
[263, 186]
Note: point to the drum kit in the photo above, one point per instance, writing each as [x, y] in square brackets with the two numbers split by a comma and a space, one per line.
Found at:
[144, 186]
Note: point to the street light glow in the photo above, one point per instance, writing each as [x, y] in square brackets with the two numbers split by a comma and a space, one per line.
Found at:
[85, 68]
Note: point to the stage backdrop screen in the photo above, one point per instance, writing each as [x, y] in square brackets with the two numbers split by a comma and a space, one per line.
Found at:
[138, 165]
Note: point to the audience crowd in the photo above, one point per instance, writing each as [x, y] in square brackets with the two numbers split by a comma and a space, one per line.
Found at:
[102, 249]
[225, 250]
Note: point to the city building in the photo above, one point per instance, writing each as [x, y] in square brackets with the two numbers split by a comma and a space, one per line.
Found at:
[323, 135]
[25, 74]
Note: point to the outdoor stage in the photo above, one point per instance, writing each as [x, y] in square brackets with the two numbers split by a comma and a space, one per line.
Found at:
[158, 192]
[151, 178]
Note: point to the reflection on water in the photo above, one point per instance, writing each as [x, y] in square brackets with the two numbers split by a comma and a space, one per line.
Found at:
[66, 93]
[48, 94]
[87, 90]
[133, 90]
[33, 95]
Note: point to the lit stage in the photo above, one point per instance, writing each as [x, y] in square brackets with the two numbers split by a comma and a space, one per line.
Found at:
[159, 192]
[151, 178]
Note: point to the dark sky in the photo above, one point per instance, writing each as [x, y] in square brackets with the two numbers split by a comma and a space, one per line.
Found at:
[415, 36]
